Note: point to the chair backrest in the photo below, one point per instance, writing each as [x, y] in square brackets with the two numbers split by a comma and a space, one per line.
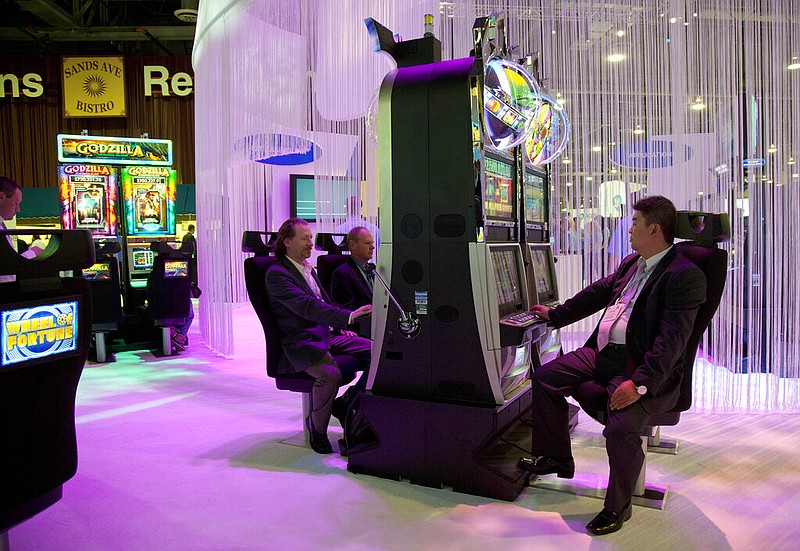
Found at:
[714, 263]
[105, 286]
[255, 270]
[168, 298]
[326, 265]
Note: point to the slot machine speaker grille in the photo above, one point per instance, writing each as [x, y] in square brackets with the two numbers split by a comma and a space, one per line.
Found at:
[411, 226]
[412, 272]
[446, 313]
[449, 225]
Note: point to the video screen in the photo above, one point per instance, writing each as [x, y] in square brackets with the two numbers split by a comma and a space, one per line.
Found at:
[304, 204]
[507, 274]
[149, 193]
[37, 331]
[98, 272]
[88, 197]
[534, 197]
[176, 268]
[544, 278]
[142, 259]
[499, 191]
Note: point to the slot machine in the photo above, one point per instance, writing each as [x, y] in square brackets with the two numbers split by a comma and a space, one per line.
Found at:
[448, 384]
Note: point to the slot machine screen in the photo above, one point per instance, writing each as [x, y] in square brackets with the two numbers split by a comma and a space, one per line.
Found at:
[176, 268]
[88, 197]
[38, 331]
[508, 275]
[499, 187]
[149, 200]
[98, 272]
[141, 259]
[534, 197]
[544, 273]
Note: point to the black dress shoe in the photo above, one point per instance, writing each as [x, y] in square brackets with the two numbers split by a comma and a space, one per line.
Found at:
[607, 522]
[319, 442]
[563, 467]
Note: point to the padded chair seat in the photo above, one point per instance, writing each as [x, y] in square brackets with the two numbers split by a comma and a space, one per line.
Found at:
[303, 382]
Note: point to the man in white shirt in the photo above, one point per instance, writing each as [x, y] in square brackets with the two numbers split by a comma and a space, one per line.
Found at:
[313, 330]
[637, 350]
[10, 199]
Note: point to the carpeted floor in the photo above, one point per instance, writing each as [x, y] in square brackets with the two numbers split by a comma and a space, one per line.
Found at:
[190, 453]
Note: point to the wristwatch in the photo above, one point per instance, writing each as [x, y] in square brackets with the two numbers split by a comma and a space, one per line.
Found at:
[641, 390]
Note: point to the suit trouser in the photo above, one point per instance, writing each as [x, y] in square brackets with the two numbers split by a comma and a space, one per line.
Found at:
[328, 377]
[559, 378]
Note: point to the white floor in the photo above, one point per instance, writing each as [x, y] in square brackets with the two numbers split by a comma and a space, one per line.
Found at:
[188, 453]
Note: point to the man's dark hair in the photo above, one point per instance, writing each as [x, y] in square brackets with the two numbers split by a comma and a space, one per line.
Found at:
[190, 227]
[286, 231]
[659, 210]
[8, 186]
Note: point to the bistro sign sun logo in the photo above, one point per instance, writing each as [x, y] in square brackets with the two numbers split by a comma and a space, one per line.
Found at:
[94, 86]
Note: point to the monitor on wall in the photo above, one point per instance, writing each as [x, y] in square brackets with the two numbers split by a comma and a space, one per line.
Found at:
[303, 197]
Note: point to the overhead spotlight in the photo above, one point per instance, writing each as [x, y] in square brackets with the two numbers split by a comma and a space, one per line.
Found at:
[616, 58]
[597, 148]
[638, 129]
[588, 178]
[699, 193]
[673, 20]
[614, 171]
[620, 33]
[796, 175]
[795, 64]
[791, 161]
[698, 104]
[772, 148]
[566, 161]
[694, 14]
[569, 184]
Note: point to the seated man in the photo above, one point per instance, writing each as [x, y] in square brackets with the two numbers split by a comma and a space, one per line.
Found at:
[351, 285]
[312, 329]
[10, 199]
[637, 349]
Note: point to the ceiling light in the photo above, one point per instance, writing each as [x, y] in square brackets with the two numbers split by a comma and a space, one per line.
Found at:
[569, 184]
[795, 175]
[566, 161]
[638, 129]
[694, 14]
[588, 178]
[620, 33]
[698, 104]
[699, 193]
[613, 171]
[596, 148]
[772, 148]
[616, 58]
[791, 161]
[673, 20]
[795, 64]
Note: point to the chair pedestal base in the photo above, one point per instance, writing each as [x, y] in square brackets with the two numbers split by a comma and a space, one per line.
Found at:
[657, 444]
[589, 485]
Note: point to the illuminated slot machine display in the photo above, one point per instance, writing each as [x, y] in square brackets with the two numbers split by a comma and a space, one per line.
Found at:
[88, 198]
[148, 206]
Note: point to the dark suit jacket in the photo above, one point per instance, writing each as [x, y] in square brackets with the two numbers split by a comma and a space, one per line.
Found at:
[349, 289]
[303, 319]
[659, 326]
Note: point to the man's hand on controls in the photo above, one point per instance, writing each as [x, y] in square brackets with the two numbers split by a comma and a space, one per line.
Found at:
[362, 311]
[541, 311]
[624, 395]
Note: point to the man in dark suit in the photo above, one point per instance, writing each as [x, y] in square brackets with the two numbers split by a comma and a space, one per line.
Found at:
[351, 284]
[651, 303]
[312, 329]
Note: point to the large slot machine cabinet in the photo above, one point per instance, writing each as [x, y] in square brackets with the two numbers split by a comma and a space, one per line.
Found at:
[106, 179]
[447, 393]
[148, 206]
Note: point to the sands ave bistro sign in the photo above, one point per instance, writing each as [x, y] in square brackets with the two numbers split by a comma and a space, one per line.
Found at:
[94, 86]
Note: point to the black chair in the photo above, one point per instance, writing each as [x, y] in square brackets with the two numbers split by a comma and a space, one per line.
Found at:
[255, 269]
[38, 449]
[104, 282]
[169, 290]
[593, 395]
[335, 244]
